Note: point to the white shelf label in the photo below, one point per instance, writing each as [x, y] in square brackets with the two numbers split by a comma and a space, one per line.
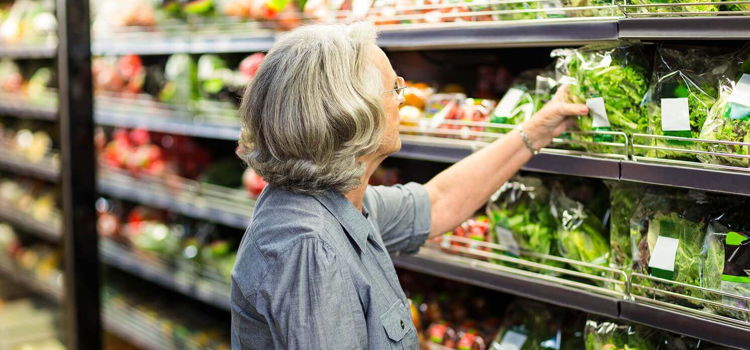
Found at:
[512, 341]
[505, 238]
[598, 112]
[664, 253]
[741, 92]
[675, 114]
[509, 102]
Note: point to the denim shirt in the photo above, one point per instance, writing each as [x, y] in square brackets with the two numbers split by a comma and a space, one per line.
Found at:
[312, 272]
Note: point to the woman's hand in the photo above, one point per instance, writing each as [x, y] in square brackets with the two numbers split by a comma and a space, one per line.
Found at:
[553, 119]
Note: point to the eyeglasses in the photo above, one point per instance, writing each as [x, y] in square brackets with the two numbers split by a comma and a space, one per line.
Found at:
[400, 87]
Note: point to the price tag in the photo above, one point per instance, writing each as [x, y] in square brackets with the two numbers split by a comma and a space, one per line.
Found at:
[506, 239]
[512, 341]
[675, 114]
[598, 112]
[663, 257]
[741, 92]
[509, 102]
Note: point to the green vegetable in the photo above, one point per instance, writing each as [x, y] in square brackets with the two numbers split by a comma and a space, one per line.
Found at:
[610, 335]
[725, 266]
[181, 87]
[729, 120]
[624, 198]
[520, 217]
[662, 213]
[674, 8]
[617, 74]
[680, 74]
[158, 238]
[580, 234]
[539, 323]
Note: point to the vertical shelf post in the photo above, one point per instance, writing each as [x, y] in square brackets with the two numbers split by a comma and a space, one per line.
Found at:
[78, 177]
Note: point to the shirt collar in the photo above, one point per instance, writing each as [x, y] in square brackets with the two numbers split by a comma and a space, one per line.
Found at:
[355, 223]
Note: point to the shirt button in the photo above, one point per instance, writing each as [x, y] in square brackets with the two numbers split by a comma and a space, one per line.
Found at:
[402, 324]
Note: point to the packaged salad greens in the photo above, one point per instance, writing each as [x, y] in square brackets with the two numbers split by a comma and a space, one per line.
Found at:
[611, 79]
[667, 231]
[727, 265]
[601, 334]
[520, 102]
[529, 325]
[681, 93]
[624, 198]
[580, 233]
[520, 217]
[729, 117]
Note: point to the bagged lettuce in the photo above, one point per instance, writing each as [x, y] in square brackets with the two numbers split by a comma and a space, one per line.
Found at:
[612, 76]
[727, 267]
[624, 198]
[520, 102]
[675, 8]
[681, 93]
[729, 118]
[520, 217]
[667, 231]
[529, 325]
[602, 334]
[580, 233]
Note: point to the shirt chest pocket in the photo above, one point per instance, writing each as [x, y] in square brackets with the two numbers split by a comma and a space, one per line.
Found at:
[398, 327]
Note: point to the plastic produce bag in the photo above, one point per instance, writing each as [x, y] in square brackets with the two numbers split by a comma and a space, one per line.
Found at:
[667, 232]
[624, 198]
[520, 217]
[181, 86]
[528, 325]
[580, 234]
[686, 9]
[611, 79]
[681, 94]
[609, 335]
[726, 268]
[729, 118]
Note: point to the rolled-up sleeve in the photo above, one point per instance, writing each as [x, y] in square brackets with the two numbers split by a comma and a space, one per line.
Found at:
[305, 300]
[402, 214]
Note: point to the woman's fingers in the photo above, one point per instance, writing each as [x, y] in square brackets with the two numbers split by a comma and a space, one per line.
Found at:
[572, 109]
[562, 93]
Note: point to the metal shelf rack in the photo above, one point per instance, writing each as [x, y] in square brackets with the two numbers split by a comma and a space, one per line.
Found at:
[49, 231]
[47, 169]
[21, 51]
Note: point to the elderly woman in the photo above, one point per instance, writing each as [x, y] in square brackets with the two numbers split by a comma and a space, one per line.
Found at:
[313, 269]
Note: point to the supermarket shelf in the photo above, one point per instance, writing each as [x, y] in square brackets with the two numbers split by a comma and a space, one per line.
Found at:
[127, 333]
[417, 147]
[693, 28]
[20, 220]
[123, 259]
[734, 182]
[48, 170]
[27, 280]
[714, 331]
[27, 51]
[161, 45]
[180, 126]
[23, 110]
[574, 31]
[144, 195]
[462, 270]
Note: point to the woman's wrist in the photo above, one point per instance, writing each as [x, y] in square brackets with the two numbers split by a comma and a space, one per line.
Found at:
[526, 139]
[535, 134]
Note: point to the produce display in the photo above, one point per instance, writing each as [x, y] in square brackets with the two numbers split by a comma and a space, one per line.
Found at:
[27, 322]
[36, 200]
[209, 86]
[193, 249]
[161, 320]
[31, 83]
[34, 259]
[25, 140]
[529, 325]
[27, 22]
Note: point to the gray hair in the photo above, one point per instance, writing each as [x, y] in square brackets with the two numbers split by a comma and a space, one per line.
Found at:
[313, 108]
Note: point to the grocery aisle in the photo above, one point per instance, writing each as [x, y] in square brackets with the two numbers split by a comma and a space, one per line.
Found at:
[627, 231]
